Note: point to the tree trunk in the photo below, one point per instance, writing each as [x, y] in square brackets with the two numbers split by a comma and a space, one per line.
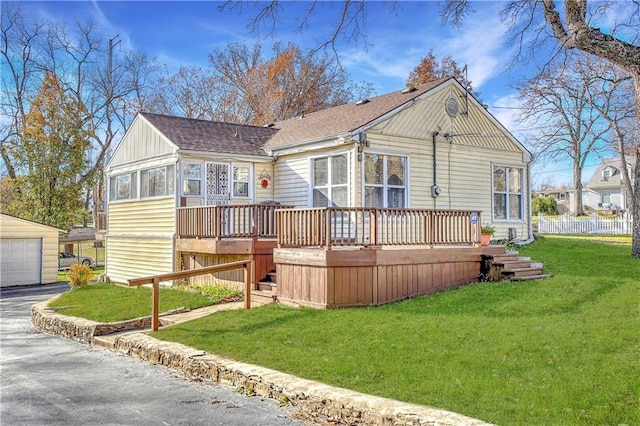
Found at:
[578, 209]
[635, 195]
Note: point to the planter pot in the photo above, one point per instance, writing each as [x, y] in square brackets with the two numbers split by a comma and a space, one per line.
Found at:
[485, 238]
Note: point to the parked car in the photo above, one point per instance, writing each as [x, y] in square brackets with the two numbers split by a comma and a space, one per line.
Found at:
[66, 259]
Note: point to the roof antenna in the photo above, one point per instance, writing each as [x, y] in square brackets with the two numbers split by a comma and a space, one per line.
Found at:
[466, 90]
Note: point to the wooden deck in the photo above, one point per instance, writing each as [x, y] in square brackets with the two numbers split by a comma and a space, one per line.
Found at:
[350, 277]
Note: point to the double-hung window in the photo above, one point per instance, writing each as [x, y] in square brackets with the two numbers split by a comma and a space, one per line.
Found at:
[241, 181]
[330, 181]
[507, 193]
[123, 187]
[192, 179]
[157, 182]
[385, 180]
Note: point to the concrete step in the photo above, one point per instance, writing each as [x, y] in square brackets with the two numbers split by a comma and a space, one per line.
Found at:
[104, 342]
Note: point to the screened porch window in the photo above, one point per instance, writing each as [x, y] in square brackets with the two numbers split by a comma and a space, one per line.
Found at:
[192, 179]
[385, 181]
[123, 187]
[329, 183]
[241, 181]
[157, 182]
[507, 193]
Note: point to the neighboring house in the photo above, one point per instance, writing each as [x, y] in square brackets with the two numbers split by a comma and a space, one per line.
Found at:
[606, 190]
[431, 152]
[562, 197]
[28, 252]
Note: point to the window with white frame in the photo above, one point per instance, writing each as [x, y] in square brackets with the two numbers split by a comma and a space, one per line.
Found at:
[241, 181]
[606, 197]
[507, 193]
[157, 182]
[123, 186]
[385, 180]
[329, 181]
[192, 179]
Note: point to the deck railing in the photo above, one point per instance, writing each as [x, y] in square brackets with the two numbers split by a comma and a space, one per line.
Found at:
[362, 226]
[245, 221]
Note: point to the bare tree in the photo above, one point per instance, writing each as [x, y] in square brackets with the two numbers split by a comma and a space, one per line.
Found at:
[87, 69]
[575, 105]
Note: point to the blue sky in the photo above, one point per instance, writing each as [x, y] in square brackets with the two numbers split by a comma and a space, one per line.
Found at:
[183, 33]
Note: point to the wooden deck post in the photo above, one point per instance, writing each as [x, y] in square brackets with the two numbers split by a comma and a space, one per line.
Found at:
[247, 284]
[155, 294]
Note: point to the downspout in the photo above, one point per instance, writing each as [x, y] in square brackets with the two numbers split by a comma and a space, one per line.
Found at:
[435, 190]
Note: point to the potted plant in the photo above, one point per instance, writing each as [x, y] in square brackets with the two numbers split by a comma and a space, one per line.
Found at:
[487, 232]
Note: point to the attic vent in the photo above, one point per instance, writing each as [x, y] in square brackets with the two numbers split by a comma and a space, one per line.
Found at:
[409, 90]
[451, 106]
[362, 101]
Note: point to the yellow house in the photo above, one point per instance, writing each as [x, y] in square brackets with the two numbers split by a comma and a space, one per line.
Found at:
[185, 193]
[28, 252]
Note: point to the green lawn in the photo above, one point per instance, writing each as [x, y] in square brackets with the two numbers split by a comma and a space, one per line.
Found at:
[564, 350]
[109, 303]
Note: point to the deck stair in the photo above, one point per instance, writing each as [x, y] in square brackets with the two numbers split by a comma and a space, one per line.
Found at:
[266, 290]
[515, 268]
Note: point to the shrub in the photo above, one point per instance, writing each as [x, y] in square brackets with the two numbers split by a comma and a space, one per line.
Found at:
[79, 275]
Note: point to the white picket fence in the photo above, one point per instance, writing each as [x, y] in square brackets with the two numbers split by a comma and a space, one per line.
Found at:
[593, 224]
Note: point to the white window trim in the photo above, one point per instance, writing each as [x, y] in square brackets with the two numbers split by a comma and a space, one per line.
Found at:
[384, 185]
[522, 194]
[312, 170]
[183, 178]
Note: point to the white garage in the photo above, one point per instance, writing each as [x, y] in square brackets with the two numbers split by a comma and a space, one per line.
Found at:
[28, 252]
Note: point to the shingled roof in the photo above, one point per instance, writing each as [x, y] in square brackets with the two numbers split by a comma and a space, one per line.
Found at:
[211, 136]
[343, 118]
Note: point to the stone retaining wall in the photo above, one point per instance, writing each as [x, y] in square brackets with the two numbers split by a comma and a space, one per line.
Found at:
[313, 399]
[79, 329]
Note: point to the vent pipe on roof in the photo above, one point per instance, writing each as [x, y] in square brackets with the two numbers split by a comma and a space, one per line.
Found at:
[409, 90]
[363, 101]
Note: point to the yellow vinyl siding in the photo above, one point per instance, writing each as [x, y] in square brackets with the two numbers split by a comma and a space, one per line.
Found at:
[15, 228]
[135, 257]
[140, 238]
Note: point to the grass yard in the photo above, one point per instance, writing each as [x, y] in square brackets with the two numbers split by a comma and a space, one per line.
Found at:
[559, 351]
[109, 302]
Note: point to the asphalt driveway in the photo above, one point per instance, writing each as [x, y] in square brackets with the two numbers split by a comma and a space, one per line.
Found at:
[49, 380]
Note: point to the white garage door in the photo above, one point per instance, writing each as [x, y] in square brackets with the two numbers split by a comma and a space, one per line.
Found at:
[20, 261]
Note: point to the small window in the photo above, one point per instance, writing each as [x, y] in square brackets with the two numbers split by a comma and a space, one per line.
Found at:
[606, 174]
[192, 179]
[507, 193]
[241, 181]
[123, 187]
[157, 182]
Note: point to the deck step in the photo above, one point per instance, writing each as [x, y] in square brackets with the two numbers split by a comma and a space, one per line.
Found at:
[516, 264]
[267, 285]
[521, 272]
[262, 297]
[531, 277]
